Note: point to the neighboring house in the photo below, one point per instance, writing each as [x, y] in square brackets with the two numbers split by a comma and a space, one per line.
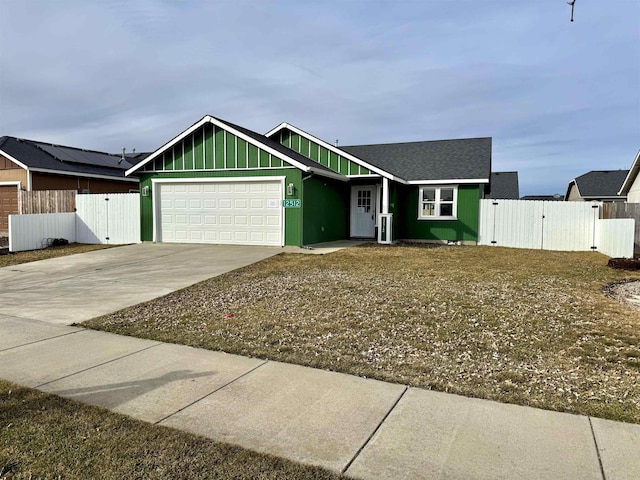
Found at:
[556, 197]
[31, 165]
[217, 182]
[631, 184]
[504, 185]
[597, 185]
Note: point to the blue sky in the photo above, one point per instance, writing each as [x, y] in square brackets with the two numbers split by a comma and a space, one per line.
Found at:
[558, 98]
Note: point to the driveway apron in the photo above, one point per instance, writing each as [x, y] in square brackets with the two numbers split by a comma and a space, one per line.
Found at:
[75, 288]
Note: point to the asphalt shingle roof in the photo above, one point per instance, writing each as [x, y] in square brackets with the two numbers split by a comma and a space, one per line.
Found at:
[47, 156]
[504, 185]
[601, 183]
[467, 158]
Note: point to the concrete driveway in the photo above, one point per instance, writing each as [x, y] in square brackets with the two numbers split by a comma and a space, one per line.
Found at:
[75, 288]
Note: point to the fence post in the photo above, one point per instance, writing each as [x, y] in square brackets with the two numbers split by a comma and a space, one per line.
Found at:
[596, 215]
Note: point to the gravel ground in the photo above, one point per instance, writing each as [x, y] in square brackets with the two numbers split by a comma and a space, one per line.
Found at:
[627, 293]
[519, 326]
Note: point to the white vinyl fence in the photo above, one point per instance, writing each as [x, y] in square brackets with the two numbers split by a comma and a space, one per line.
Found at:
[615, 237]
[37, 230]
[108, 218]
[99, 219]
[569, 226]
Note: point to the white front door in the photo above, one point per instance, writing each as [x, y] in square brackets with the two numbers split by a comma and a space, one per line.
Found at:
[363, 211]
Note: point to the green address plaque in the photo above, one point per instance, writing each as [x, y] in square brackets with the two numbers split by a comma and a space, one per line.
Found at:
[291, 203]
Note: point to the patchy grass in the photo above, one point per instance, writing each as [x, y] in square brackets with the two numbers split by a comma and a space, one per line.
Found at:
[518, 326]
[51, 252]
[50, 437]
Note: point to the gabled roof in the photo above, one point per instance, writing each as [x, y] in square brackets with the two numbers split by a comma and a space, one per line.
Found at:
[631, 176]
[331, 148]
[466, 160]
[599, 184]
[63, 160]
[504, 185]
[460, 160]
[290, 156]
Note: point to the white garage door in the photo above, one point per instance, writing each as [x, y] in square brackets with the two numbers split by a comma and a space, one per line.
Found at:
[238, 213]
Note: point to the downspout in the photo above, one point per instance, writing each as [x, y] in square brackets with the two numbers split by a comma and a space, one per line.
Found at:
[28, 180]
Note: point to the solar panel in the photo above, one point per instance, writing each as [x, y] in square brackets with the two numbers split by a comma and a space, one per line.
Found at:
[73, 155]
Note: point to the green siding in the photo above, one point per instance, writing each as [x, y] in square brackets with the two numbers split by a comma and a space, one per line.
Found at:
[326, 213]
[188, 153]
[230, 150]
[464, 228]
[253, 157]
[320, 154]
[242, 153]
[219, 148]
[208, 147]
[198, 153]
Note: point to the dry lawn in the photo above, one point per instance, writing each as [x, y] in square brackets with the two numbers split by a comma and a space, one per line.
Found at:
[519, 326]
[50, 437]
[51, 252]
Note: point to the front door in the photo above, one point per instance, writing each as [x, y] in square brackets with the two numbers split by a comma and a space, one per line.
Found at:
[363, 211]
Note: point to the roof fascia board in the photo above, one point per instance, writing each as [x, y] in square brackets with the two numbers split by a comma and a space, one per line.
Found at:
[330, 174]
[87, 175]
[609, 197]
[14, 160]
[448, 181]
[170, 143]
[631, 176]
[334, 149]
[248, 139]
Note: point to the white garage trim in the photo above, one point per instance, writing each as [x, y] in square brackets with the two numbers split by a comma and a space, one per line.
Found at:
[158, 182]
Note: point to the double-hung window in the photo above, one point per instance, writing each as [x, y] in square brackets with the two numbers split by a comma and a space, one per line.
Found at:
[438, 203]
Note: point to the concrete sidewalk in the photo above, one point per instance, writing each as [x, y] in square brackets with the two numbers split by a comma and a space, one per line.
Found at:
[366, 428]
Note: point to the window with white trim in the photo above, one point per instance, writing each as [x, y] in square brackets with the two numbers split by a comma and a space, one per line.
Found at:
[438, 203]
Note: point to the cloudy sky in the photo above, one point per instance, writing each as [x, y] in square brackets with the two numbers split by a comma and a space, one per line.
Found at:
[558, 98]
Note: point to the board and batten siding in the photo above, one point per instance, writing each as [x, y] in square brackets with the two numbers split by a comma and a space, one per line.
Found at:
[212, 152]
[322, 155]
[210, 148]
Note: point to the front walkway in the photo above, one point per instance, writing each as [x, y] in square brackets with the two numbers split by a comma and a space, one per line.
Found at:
[363, 427]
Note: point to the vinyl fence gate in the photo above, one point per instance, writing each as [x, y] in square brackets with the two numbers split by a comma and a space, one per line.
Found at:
[569, 226]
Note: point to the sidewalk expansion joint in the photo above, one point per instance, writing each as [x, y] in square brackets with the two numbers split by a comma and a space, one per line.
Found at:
[366, 442]
[40, 341]
[98, 365]
[212, 392]
[593, 434]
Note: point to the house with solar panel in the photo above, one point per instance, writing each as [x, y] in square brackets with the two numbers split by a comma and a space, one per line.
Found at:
[32, 165]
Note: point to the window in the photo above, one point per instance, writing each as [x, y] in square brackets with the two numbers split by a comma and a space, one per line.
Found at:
[437, 203]
[364, 201]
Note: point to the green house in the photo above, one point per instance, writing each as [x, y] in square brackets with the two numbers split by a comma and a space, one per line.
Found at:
[218, 182]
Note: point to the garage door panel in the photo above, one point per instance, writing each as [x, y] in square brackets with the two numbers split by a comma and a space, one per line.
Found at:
[247, 213]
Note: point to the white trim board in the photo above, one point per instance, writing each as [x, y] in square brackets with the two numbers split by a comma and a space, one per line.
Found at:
[238, 134]
[333, 149]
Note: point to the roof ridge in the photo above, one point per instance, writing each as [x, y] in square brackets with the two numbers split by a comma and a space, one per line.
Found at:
[416, 141]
